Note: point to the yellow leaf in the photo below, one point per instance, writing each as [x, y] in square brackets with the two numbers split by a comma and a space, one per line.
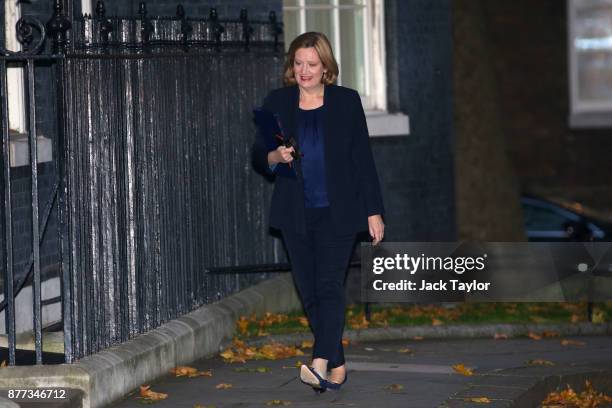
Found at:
[303, 321]
[539, 361]
[243, 325]
[278, 402]
[479, 400]
[599, 316]
[404, 350]
[418, 338]
[223, 386]
[436, 322]
[462, 369]
[566, 342]
[534, 336]
[394, 387]
[182, 371]
[147, 394]
[551, 334]
[345, 342]
[306, 344]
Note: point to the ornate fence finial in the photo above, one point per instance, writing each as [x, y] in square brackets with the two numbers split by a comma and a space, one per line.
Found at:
[247, 30]
[58, 26]
[105, 25]
[276, 28]
[218, 29]
[186, 28]
[146, 28]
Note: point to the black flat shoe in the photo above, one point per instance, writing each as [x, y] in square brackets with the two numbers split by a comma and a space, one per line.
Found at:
[336, 386]
[309, 376]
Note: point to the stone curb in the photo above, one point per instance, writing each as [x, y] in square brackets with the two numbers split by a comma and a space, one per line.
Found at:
[455, 331]
[109, 375]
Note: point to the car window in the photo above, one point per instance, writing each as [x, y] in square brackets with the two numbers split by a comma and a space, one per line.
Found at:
[543, 219]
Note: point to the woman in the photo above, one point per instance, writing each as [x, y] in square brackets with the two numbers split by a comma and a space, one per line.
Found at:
[335, 195]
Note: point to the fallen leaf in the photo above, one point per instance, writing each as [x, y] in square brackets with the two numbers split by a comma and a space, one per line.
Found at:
[204, 406]
[303, 321]
[479, 400]
[307, 344]
[243, 325]
[462, 369]
[575, 318]
[567, 342]
[394, 387]
[541, 362]
[345, 342]
[418, 338]
[223, 386]
[551, 334]
[500, 336]
[182, 371]
[589, 398]
[147, 394]
[368, 349]
[436, 322]
[534, 336]
[278, 402]
[404, 350]
[599, 316]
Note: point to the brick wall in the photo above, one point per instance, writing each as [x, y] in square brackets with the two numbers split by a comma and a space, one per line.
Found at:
[416, 171]
[529, 47]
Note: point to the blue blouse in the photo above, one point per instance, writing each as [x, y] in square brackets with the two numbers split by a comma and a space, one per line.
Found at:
[310, 128]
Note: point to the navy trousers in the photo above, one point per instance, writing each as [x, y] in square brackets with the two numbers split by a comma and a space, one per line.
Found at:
[319, 261]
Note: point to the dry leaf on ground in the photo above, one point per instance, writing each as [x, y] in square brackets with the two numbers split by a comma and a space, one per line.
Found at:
[568, 342]
[223, 386]
[147, 394]
[404, 350]
[479, 400]
[303, 321]
[307, 344]
[462, 369]
[541, 362]
[394, 387]
[589, 398]
[500, 336]
[278, 402]
[345, 342]
[534, 336]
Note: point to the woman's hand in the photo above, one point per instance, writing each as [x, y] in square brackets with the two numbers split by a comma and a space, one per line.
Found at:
[377, 228]
[282, 154]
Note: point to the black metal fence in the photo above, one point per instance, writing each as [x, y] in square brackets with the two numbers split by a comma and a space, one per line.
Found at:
[155, 184]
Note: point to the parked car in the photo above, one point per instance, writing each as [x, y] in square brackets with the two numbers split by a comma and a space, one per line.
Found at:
[557, 220]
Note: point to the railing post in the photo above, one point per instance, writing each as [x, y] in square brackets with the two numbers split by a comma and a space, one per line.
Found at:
[105, 25]
[186, 28]
[58, 26]
[7, 224]
[247, 30]
[276, 29]
[218, 29]
[146, 28]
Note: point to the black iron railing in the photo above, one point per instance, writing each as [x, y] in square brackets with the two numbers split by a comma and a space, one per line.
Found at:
[154, 182]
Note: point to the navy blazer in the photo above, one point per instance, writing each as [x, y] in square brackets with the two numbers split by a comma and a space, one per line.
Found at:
[352, 183]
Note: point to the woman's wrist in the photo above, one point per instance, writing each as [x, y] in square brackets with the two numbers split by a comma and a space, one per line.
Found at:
[273, 158]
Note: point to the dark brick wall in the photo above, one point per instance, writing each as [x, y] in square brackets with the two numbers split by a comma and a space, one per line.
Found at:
[529, 46]
[416, 171]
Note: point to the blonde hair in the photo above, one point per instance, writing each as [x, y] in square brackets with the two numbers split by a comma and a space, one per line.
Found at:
[321, 44]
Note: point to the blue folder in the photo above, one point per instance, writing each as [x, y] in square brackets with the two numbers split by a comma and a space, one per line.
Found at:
[272, 135]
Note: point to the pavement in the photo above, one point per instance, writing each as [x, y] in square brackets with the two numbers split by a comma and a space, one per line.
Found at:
[381, 376]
